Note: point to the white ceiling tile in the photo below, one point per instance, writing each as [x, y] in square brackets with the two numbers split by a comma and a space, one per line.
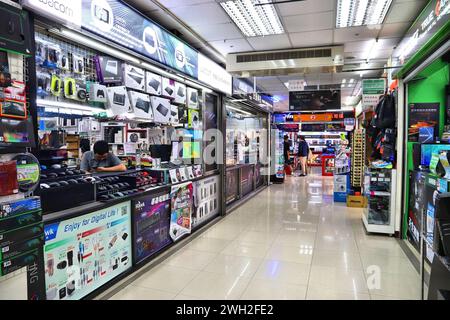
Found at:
[309, 22]
[201, 14]
[404, 11]
[344, 35]
[358, 46]
[313, 38]
[394, 29]
[143, 5]
[220, 31]
[305, 7]
[230, 46]
[270, 42]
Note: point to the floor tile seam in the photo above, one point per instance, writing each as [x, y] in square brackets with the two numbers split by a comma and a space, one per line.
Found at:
[251, 279]
[310, 268]
[150, 288]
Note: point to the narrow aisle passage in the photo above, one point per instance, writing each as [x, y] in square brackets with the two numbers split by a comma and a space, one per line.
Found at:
[288, 242]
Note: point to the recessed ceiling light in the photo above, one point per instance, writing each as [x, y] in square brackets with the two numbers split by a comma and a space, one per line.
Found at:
[351, 80]
[344, 80]
[353, 13]
[254, 20]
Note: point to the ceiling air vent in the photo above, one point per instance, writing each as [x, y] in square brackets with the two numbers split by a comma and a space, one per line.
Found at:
[285, 62]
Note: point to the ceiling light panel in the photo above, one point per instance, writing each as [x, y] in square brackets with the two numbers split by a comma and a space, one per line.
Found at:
[254, 20]
[353, 13]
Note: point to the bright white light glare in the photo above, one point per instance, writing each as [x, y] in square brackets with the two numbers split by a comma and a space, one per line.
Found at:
[254, 20]
[353, 13]
[344, 81]
[351, 80]
[239, 110]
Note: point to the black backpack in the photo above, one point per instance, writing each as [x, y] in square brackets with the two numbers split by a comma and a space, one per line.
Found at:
[385, 112]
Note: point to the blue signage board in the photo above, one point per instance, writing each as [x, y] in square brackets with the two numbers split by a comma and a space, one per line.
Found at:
[119, 23]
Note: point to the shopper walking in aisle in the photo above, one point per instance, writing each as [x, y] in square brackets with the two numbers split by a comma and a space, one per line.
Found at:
[303, 151]
[287, 154]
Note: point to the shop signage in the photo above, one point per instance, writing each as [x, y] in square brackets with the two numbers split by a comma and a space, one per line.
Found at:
[319, 117]
[83, 253]
[422, 115]
[432, 18]
[372, 89]
[288, 127]
[212, 74]
[64, 11]
[296, 85]
[314, 100]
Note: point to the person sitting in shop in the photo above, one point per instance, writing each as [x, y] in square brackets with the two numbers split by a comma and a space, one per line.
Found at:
[101, 160]
[303, 152]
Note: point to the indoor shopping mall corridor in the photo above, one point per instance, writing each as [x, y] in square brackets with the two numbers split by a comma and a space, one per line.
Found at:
[288, 242]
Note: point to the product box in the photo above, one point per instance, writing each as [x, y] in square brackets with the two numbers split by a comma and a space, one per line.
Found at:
[19, 221]
[140, 105]
[444, 185]
[97, 93]
[134, 77]
[109, 70]
[174, 115]
[118, 101]
[10, 251]
[168, 88]
[161, 175]
[12, 237]
[192, 96]
[16, 207]
[161, 109]
[153, 83]
[356, 201]
[180, 93]
[18, 262]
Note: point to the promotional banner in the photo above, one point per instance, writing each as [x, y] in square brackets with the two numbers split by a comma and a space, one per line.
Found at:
[83, 253]
[214, 75]
[422, 115]
[314, 100]
[181, 197]
[232, 187]
[119, 23]
[206, 196]
[151, 222]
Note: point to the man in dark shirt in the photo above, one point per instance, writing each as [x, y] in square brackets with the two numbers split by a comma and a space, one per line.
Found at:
[303, 151]
[101, 160]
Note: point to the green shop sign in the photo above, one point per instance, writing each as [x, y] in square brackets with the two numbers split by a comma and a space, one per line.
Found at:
[374, 86]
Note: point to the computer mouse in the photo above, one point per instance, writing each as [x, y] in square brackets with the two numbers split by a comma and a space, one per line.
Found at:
[56, 166]
[53, 175]
[70, 172]
[72, 181]
[103, 198]
[63, 183]
[54, 185]
[44, 186]
[119, 194]
[62, 174]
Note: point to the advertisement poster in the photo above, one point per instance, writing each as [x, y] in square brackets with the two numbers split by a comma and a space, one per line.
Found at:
[151, 221]
[83, 253]
[314, 100]
[246, 179]
[206, 199]
[119, 23]
[181, 197]
[372, 90]
[231, 185]
[422, 115]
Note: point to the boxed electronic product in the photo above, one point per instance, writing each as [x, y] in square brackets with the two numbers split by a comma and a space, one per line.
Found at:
[10, 251]
[118, 101]
[180, 93]
[192, 96]
[161, 109]
[20, 220]
[14, 236]
[154, 83]
[193, 119]
[55, 85]
[134, 77]
[77, 64]
[168, 88]
[18, 262]
[16, 207]
[108, 69]
[356, 201]
[97, 92]
[74, 89]
[140, 105]
[174, 115]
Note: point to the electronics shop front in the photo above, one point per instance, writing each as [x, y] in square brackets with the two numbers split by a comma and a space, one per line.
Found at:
[103, 146]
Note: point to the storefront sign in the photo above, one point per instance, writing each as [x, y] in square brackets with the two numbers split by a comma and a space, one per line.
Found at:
[372, 89]
[181, 210]
[151, 222]
[121, 24]
[288, 127]
[64, 11]
[432, 18]
[214, 75]
[83, 253]
[314, 100]
[319, 117]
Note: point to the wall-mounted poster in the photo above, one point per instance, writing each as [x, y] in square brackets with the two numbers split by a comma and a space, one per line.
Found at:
[181, 197]
[151, 222]
[314, 100]
[83, 253]
[206, 199]
[422, 115]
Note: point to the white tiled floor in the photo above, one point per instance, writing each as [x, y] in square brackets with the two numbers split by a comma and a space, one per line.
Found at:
[288, 242]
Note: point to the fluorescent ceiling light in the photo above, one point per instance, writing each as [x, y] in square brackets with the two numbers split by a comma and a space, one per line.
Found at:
[254, 20]
[351, 80]
[344, 81]
[239, 110]
[353, 13]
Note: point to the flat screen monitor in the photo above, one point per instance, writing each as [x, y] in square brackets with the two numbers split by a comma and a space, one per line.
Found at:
[162, 151]
[16, 133]
[191, 150]
[429, 149]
